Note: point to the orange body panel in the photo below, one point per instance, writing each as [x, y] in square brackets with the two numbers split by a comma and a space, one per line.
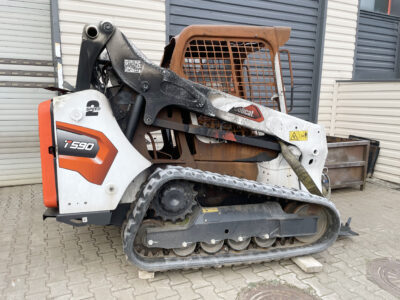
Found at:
[94, 169]
[46, 141]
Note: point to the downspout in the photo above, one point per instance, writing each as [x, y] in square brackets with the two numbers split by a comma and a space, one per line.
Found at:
[56, 42]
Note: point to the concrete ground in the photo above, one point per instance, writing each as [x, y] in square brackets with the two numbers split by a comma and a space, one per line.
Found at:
[41, 260]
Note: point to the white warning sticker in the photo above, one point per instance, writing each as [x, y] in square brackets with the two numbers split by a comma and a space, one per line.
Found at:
[133, 66]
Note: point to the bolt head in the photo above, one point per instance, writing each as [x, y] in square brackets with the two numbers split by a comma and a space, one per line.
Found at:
[240, 239]
[184, 244]
[266, 236]
[213, 241]
[107, 27]
[147, 120]
[76, 115]
[145, 86]
[150, 242]
[111, 188]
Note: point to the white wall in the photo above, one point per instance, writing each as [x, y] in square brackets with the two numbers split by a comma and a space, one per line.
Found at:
[365, 109]
[340, 39]
[372, 110]
[25, 34]
[142, 21]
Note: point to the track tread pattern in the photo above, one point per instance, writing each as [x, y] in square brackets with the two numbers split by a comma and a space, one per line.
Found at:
[161, 176]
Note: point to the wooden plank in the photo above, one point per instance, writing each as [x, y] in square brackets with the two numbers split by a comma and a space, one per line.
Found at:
[308, 264]
[145, 275]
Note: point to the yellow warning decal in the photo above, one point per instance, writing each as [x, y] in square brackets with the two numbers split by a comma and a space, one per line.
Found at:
[210, 210]
[298, 135]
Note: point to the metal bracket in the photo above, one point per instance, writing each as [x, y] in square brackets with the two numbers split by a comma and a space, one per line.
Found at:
[345, 230]
[80, 219]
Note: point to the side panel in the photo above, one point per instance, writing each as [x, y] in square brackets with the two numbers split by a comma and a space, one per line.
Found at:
[47, 159]
[92, 181]
[307, 139]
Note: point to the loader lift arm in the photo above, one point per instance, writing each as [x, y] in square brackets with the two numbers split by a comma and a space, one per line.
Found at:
[163, 88]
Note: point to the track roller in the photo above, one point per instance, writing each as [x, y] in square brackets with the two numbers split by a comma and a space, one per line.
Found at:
[212, 248]
[239, 245]
[264, 242]
[185, 250]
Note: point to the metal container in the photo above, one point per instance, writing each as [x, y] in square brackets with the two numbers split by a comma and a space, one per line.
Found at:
[347, 161]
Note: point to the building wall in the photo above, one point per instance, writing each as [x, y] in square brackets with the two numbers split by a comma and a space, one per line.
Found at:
[372, 110]
[303, 17]
[340, 39]
[369, 109]
[26, 66]
[142, 21]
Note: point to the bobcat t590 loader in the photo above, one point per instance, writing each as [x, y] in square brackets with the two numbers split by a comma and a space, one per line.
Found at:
[197, 160]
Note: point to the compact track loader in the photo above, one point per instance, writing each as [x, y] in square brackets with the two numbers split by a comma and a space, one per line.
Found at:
[197, 160]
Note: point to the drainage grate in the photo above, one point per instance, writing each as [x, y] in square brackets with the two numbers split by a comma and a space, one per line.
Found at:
[385, 272]
[273, 292]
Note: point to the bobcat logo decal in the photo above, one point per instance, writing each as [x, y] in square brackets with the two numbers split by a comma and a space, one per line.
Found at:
[249, 112]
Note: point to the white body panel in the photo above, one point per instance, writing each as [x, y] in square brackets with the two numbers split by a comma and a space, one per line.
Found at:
[75, 193]
[277, 172]
[313, 151]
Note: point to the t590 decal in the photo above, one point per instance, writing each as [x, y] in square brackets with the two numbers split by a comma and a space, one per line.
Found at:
[86, 151]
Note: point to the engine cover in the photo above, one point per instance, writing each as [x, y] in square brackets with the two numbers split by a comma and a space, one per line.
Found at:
[95, 161]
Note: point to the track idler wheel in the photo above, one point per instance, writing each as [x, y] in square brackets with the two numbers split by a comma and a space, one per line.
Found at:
[140, 240]
[239, 245]
[185, 250]
[212, 248]
[322, 223]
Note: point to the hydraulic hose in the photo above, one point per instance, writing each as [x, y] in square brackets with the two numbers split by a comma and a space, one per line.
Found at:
[134, 117]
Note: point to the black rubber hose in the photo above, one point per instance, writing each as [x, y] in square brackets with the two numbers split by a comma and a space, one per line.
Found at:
[134, 117]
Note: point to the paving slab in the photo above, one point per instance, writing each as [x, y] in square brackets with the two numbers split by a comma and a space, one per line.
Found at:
[49, 259]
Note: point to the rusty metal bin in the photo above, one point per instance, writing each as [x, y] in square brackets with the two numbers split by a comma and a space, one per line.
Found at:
[347, 161]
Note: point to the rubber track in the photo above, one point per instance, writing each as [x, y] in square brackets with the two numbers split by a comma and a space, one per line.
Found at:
[162, 176]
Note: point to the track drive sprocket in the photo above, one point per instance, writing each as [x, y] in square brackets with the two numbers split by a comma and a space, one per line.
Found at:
[175, 201]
